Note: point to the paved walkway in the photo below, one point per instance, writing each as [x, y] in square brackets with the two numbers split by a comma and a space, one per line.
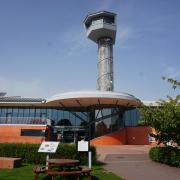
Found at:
[133, 163]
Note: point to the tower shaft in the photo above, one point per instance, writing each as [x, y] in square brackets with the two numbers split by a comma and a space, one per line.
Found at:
[105, 64]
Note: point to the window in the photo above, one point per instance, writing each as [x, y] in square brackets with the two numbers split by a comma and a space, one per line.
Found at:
[26, 112]
[100, 128]
[21, 113]
[33, 132]
[37, 113]
[72, 119]
[97, 21]
[3, 112]
[109, 20]
[32, 113]
[9, 118]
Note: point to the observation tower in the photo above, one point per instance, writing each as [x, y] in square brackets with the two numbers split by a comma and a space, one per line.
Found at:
[101, 28]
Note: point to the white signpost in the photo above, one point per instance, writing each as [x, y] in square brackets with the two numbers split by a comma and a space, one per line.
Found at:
[48, 147]
[83, 146]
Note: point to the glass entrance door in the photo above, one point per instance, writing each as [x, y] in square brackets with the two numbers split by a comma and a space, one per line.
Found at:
[66, 134]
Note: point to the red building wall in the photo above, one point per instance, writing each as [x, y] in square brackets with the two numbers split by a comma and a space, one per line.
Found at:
[12, 134]
[127, 136]
[139, 135]
[116, 138]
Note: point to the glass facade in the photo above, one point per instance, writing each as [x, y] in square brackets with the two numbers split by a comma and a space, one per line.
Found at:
[41, 116]
[68, 126]
[131, 117]
[116, 122]
[109, 124]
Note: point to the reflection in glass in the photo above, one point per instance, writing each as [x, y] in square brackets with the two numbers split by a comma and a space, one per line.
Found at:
[65, 118]
[114, 123]
[37, 113]
[66, 115]
[32, 113]
[64, 122]
[72, 119]
[9, 110]
[101, 128]
[21, 113]
[8, 118]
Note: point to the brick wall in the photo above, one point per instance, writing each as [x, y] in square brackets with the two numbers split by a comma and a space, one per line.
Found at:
[139, 135]
[116, 138]
[127, 136]
[12, 134]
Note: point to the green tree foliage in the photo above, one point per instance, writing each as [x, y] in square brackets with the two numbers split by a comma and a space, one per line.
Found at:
[164, 118]
[175, 83]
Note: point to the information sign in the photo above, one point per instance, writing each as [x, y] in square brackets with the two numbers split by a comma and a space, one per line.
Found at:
[83, 145]
[48, 147]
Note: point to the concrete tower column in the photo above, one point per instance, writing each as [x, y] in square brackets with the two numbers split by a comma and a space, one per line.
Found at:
[101, 28]
[105, 65]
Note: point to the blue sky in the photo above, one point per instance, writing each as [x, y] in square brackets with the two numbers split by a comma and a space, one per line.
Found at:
[44, 49]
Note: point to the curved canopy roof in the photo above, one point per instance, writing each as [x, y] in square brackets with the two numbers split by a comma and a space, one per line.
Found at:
[83, 100]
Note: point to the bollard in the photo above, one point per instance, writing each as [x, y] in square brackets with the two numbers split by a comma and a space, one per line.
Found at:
[90, 159]
[47, 158]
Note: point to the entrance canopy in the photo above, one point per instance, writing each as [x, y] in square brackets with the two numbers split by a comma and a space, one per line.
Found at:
[85, 100]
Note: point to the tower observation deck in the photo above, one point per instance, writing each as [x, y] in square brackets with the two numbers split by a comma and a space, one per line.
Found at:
[101, 28]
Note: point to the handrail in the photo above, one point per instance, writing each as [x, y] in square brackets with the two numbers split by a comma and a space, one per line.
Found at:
[23, 120]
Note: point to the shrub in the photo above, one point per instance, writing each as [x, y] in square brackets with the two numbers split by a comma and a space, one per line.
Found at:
[167, 155]
[29, 153]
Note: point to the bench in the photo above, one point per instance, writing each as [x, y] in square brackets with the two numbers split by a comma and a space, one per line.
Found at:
[86, 171]
[52, 173]
[9, 162]
[83, 170]
[38, 170]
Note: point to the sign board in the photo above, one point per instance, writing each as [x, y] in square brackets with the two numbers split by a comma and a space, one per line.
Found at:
[48, 147]
[83, 146]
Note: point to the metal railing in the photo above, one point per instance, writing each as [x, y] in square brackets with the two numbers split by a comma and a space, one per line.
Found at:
[24, 120]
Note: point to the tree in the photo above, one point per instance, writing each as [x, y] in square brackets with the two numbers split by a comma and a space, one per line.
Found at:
[164, 118]
[175, 83]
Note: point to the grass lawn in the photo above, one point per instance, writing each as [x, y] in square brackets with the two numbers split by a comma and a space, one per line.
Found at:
[25, 173]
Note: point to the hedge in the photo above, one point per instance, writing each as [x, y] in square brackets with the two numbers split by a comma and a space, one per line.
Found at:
[167, 155]
[29, 153]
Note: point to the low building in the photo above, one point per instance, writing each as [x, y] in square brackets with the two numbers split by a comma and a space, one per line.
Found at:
[102, 117]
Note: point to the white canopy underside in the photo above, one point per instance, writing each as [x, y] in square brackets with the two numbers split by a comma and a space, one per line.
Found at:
[86, 99]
